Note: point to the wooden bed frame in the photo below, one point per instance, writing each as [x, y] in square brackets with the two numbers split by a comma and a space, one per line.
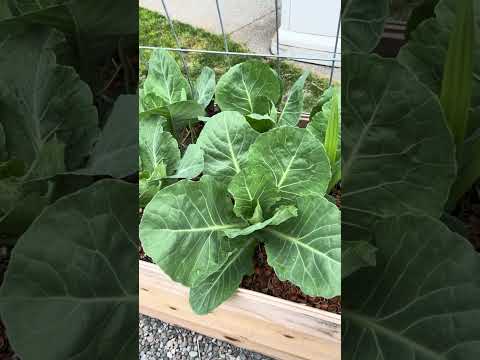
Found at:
[274, 327]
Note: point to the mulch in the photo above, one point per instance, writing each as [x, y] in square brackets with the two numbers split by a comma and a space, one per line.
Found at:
[6, 352]
[265, 280]
[469, 212]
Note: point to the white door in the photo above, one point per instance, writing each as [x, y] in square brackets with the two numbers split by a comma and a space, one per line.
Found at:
[309, 28]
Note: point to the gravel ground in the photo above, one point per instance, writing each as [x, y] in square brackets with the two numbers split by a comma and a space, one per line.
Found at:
[161, 341]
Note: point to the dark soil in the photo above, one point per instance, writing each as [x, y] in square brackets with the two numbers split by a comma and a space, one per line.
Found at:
[212, 109]
[190, 135]
[6, 352]
[265, 280]
[469, 213]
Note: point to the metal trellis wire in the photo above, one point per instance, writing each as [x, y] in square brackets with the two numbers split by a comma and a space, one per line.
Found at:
[177, 41]
[225, 40]
[182, 51]
[335, 51]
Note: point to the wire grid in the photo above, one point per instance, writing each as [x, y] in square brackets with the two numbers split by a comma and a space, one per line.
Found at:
[228, 53]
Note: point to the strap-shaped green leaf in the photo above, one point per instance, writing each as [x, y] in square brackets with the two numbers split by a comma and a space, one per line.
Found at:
[183, 226]
[455, 95]
[306, 250]
[225, 139]
[332, 134]
[326, 126]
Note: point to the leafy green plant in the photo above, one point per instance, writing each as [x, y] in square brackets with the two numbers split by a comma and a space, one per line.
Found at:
[239, 90]
[259, 184]
[52, 148]
[325, 123]
[266, 191]
[168, 97]
[362, 24]
[160, 160]
[70, 229]
[91, 37]
[408, 139]
[453, 53]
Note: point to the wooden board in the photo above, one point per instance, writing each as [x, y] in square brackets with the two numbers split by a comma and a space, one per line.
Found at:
[275, 327]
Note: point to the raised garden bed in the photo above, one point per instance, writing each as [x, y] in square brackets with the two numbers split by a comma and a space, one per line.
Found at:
[225, 187]
[275, 327]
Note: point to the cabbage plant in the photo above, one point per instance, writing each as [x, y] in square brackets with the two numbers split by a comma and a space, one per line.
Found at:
[264, 180]
[160, 160]
[67, 207]
[410, 147]
[168, 97]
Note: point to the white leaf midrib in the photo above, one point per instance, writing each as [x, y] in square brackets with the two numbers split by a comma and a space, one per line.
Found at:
[298, 243]
[289, 166]
[230, 148]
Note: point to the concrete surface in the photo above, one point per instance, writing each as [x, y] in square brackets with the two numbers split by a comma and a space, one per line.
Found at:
[250, 22]
[203, 13]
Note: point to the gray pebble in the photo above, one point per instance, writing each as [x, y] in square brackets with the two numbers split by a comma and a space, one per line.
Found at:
[161, 341]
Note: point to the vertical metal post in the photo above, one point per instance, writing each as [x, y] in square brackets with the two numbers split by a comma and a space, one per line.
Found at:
[182, 55]
[277, 22]
[225, 40]
[335, 51]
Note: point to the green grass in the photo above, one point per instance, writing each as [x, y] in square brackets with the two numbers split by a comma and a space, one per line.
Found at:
[155, 31]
